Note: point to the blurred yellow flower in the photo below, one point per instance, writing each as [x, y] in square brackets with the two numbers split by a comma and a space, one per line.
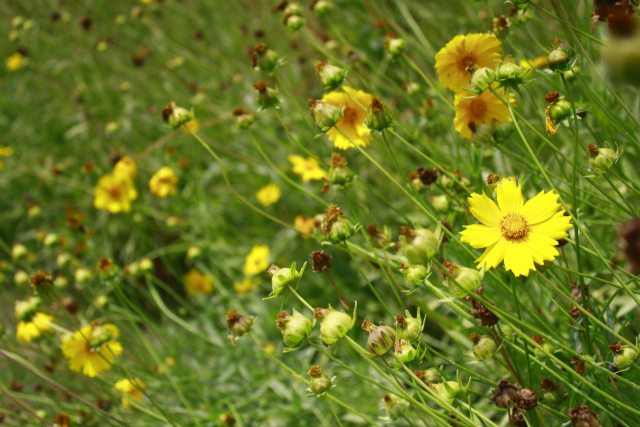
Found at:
[246, 285]
[482, 109]
[304, 224]
[114, 193]
[147, 1]
[15, 61]
[193, 125]
[197, 283]
[308, 168]
[352, 121]
[132, 389]
[163, 183]
[452, 60]
[538, 63]
[269, 194]
[5, 151]
[126, 167]
[92, 359]
[1, 164]
[34, 328]
[257, 261]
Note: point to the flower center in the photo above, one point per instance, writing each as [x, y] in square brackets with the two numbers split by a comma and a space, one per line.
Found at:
[115, 192]
[478, 108]
[462, 62]
[514, 226]
[349, 116]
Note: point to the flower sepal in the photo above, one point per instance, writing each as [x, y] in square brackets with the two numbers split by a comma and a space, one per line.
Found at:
[510, 74]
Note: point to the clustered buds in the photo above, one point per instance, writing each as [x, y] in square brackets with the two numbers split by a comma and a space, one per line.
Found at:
[336, 226]
[379, 338]
[418, 245]
[293, 18]
[295, 328]
[176, 116]
[333, 324]
[378, 118]
[330, 75]
[267, 97]
[239, 324]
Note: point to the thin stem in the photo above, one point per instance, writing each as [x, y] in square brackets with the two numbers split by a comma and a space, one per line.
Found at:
[334, 411]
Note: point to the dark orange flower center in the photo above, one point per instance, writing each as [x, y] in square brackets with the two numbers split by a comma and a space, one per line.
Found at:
[115, 192]
[478, 108]
[350, 116]
[462, 62]
[514, 226]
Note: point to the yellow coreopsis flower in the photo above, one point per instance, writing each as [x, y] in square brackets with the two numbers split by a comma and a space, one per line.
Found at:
[92, 349]
[304, 224]
[452, 60]
[269, 194]
[537, 64]
[126, 167]
[163, 183]
[34, 328]
[257, 261]
[352, 121]
[132, 389]
[114, 193]
[246, 285]
[197, 283]
[193, 125]
[5, 151]
[14, 62]
[522, 235]
[308, 168]
[482, 109]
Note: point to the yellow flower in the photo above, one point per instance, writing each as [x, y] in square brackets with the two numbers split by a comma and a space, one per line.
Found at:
[520, 234]
[5, 151]
[308, 168]
[269, 194]
[126, 167]
[34, 328]
[538, 63]
[352, 121]
[193, 125]
[163, 183]
[304, 224]
[246, 285]
[132, 389]
[452, 60]
[197, 283]
[257, 261]
[92, 361]
[114, 193]
[15, 61]
[482, 109]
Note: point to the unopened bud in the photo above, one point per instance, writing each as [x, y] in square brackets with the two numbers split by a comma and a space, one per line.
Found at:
[502, 131]
[243, 120]
[330, 75]
[550, 392]
[447, 391]
[336, 226]
[378, 238]
[440, 203]
[508, 69]
[267, 97]
[601, 159]
[379, 338]
[560, 109]
[333, 324]
[394, 45]
[339, 172]
[51, 239]
[557, 60]
[176, 116]
[481, 78]
[99, 335]
[107, 268]
[418, 245]
[18, 250]
[325, 115]
[394, 406]
[320, 382]
[239, 324]
[193, 252]
[483, 346]
[263, 58]
[294, 22]
[623, 355]
[320, 7]
[41, 282]
[542, 344]
[25, 310]
[409, 328]
[466, 280]
[378, 118]
[295, 328]
[405, 351]
[430, 376]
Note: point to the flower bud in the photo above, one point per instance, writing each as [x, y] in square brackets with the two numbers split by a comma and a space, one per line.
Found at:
[466, 280]
[394, 406]
[25, 310]
[330, 75]
[582, 416]
[394, 44]
[41, 282]
[51, 239]
[481, 78]
[176, 116]
[336, 226]
[623, 355]
[61, 281]
[193, 252]
[378, 118]
[440, 203]
[483, 346]
[267, 97]
[418, 245]
[320, 7]
[550, 392]
[507, 332]
[379, 338]
[447, 390]
[243, 120]
[33, 210]
[339, 173]
[325, 115]
[20, 277]
[405, 352]
[145, 264]
[378, 238]
[505, 395]
[557, 60]
[414, 275]
[430, 376]
[560, 110]
[263, 58]
[293, 9]
[601, 159]
[107, 268]
[520, 4]
[333, 324]
[409, 328]
[281, 277]
[542, 344]
[239, 324]
[508, 69]
[295, 328]
[293, 22]
[320, 382]
[18, 250]
[99, 335]
[500, 27]
[63, 259]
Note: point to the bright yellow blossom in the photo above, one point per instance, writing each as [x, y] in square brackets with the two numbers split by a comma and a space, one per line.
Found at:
[92, 360]
[193, 125]
[304, 224]
[163, 183]
[126, 167]
[538, 63]
[5, 151]
[246, 285]
[114, 193]
[197, 283]
[452, 60]
[269, 194]
[522, 235]
[34, 328]
[15, 61]
[352, 121]
[308, 168]
[132, 389]
[257, 261]
[482, 109]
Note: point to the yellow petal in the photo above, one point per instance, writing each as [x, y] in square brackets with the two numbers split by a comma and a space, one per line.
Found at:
[509, 196]
[518, 258]
[542, 247]
[485, 210]
[493, 255]
[555, 228]
[551, 129]
[480, 236]
[541, 208]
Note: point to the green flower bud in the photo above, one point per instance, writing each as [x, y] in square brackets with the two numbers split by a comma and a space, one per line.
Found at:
[293, 9]
[483, 346]
[320, 7]
[394, 406]
[325, 115]
[481, 78]
[41, 282]
[502, 131]
[560, 110]
[239, 324]
[336, 226]
[176, 116]
[508, 69]
[394, 44]
[500, 27]
[557, 60]
[601, 159]
[330, 75]
[379, 338]
[378, 238]
[507, 332]
[20, 277]
[281, 277]
[243, 120]
[25, 310]
[414, 275]
[466, 280]
[418, 245]
[51, 239]
[551, 393]
[447, 390]
[294, 22]
[295, 328]
[61, 281]
[63, 259]
[405, 352]
[333, 324]
[101, 301]
[320, 382]
[18, 250]
[542, 344]
[193, 252]
[107, 268]
[409, 328]
[377, 116]
[99, 335]
[267, 97]
[623, 355]
[339, 173]
[145, 264]
[430, 376]
[440, 203]
[263, 58]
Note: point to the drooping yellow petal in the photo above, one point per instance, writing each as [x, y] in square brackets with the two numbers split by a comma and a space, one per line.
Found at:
[493, 255]
[485, 210]
[509, 196]
[480, 235]
[541, 208]
[518, 258]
